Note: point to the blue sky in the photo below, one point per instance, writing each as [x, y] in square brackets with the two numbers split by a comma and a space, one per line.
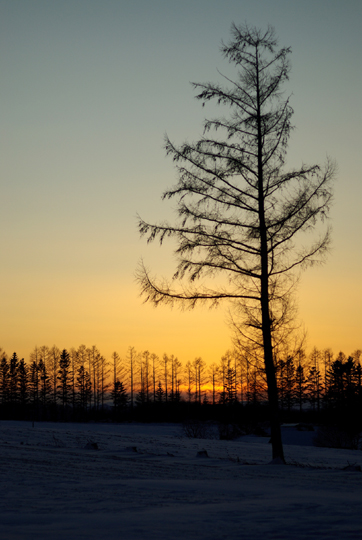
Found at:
[88, 90]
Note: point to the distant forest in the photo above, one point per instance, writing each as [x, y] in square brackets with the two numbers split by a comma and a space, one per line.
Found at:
[81, 385]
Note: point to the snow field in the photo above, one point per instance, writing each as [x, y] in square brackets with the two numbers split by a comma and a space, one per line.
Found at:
[147, 482]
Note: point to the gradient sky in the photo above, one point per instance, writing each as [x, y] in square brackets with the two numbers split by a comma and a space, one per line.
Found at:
[88, 90]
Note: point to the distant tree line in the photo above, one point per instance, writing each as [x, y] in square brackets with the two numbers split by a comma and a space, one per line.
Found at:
[80, 384]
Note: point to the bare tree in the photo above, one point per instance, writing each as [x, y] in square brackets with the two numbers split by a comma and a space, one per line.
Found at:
[300, 379]
[95, 373]
[131, 358]
[84, 389]
[199, 377]
[154, 360]
[166, 361]
[104, 385]
[189, 371]
[53, 366]
[13, 379]
[146, 365]
[213, 374]
[75, 363]
[177, 370]
[240, 213]
[82, 355]
[115, 358]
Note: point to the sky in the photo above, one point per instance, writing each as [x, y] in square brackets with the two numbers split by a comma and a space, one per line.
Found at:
[88, 90]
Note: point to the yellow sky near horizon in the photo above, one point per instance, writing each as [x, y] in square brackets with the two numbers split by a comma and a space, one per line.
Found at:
[114, 318]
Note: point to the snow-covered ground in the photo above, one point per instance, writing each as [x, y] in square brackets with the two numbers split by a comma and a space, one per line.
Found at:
[147, 482]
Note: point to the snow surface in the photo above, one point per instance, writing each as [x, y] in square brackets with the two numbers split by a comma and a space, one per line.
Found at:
[146, 482]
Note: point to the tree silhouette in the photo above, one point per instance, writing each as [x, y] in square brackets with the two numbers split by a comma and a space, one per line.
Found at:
[34, 382]
[83, 386]
[4, 379]
[119, 398]
[314, 381]
[239, 212]
[213, 372]
[14, 379]
[159, 393]
[228, 393]
[287, 383]
[53, 366]
[131, 357]
[300, 385]
[331, 387]
[199, 377]
[23, 385]
[64, 385]
[45, 387]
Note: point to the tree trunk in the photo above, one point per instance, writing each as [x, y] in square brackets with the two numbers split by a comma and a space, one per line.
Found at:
[276, 436]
